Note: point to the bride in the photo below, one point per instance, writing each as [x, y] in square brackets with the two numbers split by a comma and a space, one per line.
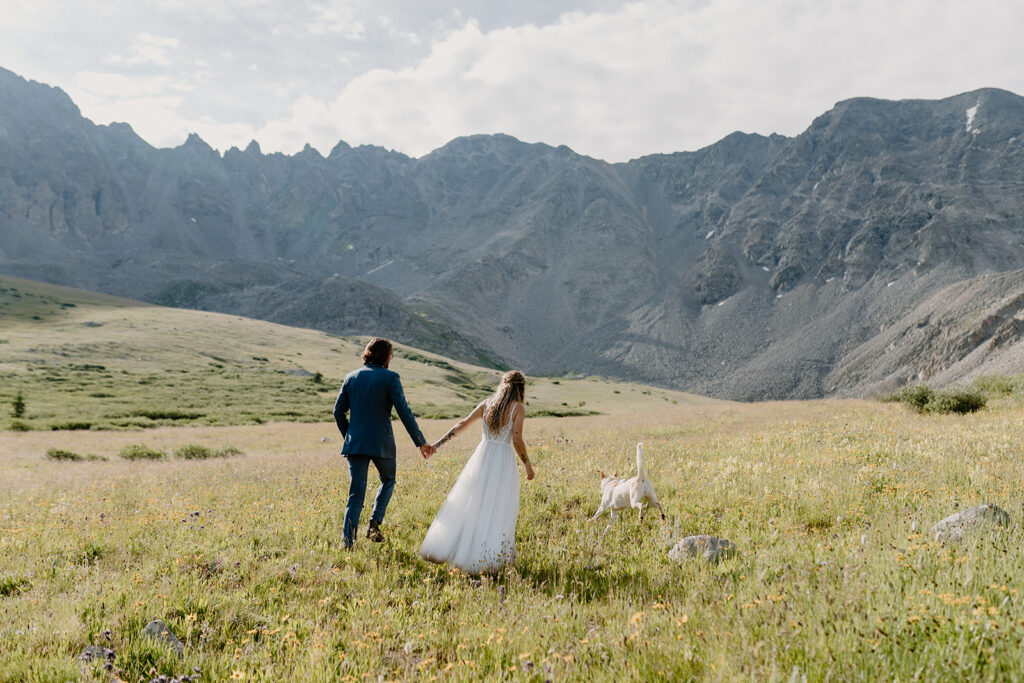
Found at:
[475, 529]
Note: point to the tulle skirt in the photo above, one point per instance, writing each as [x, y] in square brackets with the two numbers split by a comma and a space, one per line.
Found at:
[475, 529]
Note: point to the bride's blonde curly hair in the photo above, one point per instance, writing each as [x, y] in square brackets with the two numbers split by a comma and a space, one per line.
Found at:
[512, 389]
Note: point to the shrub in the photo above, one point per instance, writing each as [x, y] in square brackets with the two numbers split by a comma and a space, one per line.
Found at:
[995, 385]
[435, 413]
[957, 401]
[90, 553]
[60, 454]
[12, 586]
[19, 426]
[70, 426]
[164, 414]
[924, 399]
[18, 406]
[193, 452]
[141, 452]
[916, 396]
[196, 452]
[556, 412]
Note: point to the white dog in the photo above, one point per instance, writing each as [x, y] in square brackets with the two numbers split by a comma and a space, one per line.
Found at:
[617, 494]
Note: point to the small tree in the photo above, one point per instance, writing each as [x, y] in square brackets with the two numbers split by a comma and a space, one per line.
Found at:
[18, 406]
[318, 378]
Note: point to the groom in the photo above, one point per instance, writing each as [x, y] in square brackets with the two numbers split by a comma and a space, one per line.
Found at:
[369, 393]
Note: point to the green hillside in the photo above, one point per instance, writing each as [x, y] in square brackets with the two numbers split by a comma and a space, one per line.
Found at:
[89, 361]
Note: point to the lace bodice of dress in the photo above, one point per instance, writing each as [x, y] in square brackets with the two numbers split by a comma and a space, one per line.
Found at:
[503, 434]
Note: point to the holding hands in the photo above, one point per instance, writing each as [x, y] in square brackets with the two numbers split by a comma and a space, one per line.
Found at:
[518, 444]
[444, 439]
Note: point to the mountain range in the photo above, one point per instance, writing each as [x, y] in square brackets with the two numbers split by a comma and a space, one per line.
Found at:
[883, 245]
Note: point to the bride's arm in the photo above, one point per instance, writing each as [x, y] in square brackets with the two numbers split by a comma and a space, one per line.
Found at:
[460, 425]
[517, 440]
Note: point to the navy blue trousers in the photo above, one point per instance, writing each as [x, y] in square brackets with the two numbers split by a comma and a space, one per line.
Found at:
[358, 465]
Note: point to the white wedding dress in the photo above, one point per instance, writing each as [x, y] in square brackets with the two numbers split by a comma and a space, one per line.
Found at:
[475, 529]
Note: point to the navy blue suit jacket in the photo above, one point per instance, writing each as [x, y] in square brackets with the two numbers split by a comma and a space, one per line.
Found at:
[369, 393]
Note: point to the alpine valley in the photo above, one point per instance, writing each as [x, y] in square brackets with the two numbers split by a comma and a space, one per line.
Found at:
[884, 244]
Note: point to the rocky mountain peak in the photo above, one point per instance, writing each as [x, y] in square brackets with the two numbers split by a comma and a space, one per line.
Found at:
[196, 143]
[757, 267]
[339, 149]
[309, 152]
[498, 147]
[20, 97]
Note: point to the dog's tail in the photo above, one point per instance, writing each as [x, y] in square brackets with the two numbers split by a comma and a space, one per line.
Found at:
[640, 460]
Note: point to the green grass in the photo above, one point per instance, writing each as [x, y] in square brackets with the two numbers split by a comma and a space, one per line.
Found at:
[829, 504]
[83, 361]
[999, 385]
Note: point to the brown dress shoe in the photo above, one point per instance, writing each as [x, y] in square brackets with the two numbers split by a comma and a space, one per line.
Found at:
[373, 532]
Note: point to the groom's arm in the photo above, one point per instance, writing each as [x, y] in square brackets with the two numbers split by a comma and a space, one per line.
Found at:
[403, 410]
[341, 407]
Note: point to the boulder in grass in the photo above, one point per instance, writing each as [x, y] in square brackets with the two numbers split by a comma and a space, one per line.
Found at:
[162, 633]
[954, 527]
[711, 548]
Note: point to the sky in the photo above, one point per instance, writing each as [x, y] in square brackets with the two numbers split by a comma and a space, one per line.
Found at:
[613, 80]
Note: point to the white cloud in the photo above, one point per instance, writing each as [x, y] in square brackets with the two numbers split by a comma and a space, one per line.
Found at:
[409, 37]
[664, 76]
[151, 103]
[651, 76]
[102, 84]
[337, 19]
[151, 49]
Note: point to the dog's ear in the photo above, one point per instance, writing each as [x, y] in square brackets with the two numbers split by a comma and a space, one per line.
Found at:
[601, 472]
[615, 473]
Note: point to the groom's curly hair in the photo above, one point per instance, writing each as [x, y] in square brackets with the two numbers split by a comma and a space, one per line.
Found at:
[377, 351]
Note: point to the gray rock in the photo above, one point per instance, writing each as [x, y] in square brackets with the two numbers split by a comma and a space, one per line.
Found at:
[954, 527]
[326, 439]
[711, 548]
[298, 372]
[162, 633]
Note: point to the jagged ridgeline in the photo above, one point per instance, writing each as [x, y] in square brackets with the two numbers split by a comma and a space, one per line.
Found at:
[882, 245]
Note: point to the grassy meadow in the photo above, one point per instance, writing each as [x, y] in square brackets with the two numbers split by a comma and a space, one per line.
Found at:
[84, 361]
[829, 503]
